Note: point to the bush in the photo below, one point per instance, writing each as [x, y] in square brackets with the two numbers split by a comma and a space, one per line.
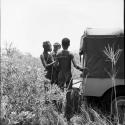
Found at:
[23, 86]
[28, 98]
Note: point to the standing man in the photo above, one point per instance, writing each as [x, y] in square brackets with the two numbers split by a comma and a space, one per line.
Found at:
[47, 60]
[56, 47]
[65, 58]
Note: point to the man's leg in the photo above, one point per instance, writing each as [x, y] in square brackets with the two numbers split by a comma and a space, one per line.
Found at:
[69, 84]
[69, 106]
[61, 80]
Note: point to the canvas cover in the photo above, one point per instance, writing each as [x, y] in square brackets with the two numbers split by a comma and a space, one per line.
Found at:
[94, 44]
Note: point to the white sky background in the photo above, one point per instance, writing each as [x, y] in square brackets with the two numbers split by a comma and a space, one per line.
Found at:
[27, 23]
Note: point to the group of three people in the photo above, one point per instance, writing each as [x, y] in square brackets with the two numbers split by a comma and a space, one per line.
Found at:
[58, 63]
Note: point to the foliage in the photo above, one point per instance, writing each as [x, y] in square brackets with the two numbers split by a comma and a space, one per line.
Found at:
[88, 116]
[113, 56]
[23, 86]
[29, 99]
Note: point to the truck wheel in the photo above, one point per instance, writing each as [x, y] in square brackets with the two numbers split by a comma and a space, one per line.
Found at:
[118, 109]
[108, 98]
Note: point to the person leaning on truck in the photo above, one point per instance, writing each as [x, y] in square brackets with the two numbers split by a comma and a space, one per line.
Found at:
[65, 58]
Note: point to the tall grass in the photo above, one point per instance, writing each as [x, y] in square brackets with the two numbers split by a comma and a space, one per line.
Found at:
[28, 98]
[113, 57]
[89, 117]
[23, 87]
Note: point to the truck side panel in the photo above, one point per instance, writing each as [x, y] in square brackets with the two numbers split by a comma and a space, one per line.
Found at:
[97, 87]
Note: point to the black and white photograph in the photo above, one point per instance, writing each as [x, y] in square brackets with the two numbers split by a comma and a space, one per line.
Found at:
[62, 62]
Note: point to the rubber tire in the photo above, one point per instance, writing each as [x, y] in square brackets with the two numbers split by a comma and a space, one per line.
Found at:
[106, 98]
[122, 112]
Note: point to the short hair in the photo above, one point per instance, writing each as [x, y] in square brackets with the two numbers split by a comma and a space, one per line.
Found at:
[65, 42]
[46, 44]
[56, 44]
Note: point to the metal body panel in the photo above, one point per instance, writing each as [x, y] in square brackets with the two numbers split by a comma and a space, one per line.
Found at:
[92, 44]
[97, 87]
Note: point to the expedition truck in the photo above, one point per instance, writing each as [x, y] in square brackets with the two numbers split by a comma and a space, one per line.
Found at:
[99, 85]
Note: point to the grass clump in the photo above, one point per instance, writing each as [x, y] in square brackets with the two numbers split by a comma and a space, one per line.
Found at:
[27, 98]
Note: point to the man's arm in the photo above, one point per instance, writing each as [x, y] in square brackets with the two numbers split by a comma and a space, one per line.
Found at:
[44, 62]
[75, 65]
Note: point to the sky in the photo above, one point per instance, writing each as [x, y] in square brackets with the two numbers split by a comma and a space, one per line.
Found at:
[27, 23]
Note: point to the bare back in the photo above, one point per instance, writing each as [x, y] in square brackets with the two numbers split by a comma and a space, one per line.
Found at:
[65, 58]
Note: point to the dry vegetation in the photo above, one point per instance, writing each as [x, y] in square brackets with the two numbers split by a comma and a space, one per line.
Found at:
[27, 97]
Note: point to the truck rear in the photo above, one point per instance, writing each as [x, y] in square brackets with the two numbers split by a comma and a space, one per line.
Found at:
[99, 82]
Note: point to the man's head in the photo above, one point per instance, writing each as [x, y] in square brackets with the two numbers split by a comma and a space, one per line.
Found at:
[47, 46]
[65, 43]
[56, 46]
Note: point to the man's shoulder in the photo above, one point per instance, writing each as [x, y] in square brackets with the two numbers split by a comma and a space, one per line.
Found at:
[59, 52]
[65, 52]
[71, 53]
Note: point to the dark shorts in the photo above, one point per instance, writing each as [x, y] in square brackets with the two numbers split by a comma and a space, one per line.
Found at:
[65, 78]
